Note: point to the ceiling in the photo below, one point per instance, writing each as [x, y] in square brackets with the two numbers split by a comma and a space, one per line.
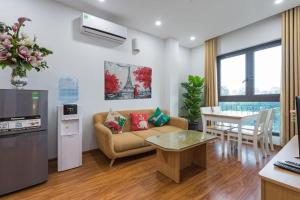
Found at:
[182, 19]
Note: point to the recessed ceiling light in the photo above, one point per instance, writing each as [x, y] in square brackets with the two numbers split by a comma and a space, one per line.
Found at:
[192, 38]
[158, 23]
[101, 1]
[278, 1]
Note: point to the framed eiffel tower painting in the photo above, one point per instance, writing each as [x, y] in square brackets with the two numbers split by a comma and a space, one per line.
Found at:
[126, 81]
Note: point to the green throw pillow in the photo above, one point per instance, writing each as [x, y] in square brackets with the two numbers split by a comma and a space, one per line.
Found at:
[159, 118]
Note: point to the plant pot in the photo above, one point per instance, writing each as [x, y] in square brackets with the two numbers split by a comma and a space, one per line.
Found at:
[18, 77]
[193, 126]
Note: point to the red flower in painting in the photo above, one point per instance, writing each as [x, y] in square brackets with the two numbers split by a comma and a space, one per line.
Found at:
[112, 83]
[144, 75]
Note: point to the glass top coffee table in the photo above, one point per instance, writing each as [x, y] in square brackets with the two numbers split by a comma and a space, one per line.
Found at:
[179, 150]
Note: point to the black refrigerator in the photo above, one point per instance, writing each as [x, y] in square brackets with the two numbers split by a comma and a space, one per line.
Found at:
[23, 139]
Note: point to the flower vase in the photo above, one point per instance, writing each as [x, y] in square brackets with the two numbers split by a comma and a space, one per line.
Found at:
[18, 77]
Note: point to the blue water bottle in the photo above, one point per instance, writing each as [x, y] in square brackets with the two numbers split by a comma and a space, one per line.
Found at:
[68, 90]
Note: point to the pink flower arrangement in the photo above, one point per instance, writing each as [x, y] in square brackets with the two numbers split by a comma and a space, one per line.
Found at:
[18, 49]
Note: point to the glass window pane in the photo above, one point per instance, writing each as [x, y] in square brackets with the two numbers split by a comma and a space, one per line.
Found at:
[267, 70]
[233, 76]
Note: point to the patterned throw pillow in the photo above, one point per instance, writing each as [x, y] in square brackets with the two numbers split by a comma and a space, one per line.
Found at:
[159, 118]
[139, 121]
[115, 122]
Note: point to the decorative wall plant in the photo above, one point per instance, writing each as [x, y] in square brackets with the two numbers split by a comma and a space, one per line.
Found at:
[193, 98]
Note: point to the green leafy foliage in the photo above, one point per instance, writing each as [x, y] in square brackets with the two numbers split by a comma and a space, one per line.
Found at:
[2, 27]
[2, 65]
[193, 97]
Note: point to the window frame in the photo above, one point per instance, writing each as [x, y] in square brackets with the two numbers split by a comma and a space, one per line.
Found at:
[250, 95]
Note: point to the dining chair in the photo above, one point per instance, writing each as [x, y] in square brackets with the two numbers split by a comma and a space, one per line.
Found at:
[269, 130]
[268, 133]
[217, 129]
[252, 136]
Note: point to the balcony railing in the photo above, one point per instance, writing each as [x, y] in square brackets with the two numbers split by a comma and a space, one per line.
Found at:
[255, 106]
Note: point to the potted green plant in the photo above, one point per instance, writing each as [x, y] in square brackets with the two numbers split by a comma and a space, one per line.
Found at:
[192, 100]
[19, 52]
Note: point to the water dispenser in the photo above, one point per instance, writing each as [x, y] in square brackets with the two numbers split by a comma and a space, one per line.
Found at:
[69, 137]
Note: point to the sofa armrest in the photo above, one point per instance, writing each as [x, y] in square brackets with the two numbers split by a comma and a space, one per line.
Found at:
[104, 140]
[179, 122]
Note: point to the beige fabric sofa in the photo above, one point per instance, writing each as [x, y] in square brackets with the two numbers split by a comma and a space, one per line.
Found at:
[130, 142]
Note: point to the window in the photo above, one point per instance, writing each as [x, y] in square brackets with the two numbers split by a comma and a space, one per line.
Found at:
[250, 79]
[233, 85]
[266, 61]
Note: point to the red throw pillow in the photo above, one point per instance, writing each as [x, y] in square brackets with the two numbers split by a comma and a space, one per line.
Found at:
[139, 121]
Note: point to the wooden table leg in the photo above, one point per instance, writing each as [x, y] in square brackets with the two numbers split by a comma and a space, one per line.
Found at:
[168, 163]
[196, 156]
[200, 156]
[240, 141]
[171, 163]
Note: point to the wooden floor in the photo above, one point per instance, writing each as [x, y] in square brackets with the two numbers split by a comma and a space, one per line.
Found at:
[136, 178]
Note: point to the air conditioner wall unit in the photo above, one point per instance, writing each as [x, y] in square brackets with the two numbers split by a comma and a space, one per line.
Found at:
[100, 28]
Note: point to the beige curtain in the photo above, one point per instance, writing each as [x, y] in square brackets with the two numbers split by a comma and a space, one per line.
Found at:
[211, 72]
[290, 70]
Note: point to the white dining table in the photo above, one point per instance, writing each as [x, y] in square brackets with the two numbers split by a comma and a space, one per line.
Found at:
[233, 117]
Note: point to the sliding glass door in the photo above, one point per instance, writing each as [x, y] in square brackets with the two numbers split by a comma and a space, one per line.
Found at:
[250, 79]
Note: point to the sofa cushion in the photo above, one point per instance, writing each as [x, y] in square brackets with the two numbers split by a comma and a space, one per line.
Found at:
[126, 114]
[146, 133]
[126, 141]
[159, 119]
[167, 129]
[115, 122]
[100, 117]
[139, 121]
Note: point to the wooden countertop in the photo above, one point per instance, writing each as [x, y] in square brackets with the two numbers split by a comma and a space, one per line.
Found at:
[283, 177]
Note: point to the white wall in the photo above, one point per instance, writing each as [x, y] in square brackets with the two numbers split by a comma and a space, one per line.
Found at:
[184, 70]
[185, 62]
[176, 70]
[57, 28]
[170, 61]
[177, 63]
[197, 61]
[260, 32]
